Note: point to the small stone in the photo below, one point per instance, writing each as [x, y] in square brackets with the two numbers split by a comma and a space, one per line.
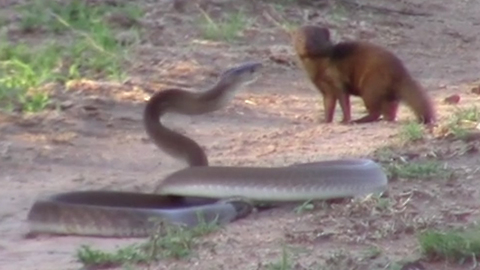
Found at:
[66, 105]
[476, 90]
[453, 99]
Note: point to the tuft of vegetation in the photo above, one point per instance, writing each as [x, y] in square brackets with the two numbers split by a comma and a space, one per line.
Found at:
[79, 42]
[370, 258]
[396, 166]
[471, 114]
[280, 3]
[170, 241]
[411, 131]
[419, 169]
[284, 263]
[372, 252]
[455, 245]
[227, 28]
[22, 71]
[306, 206]
[60, 17]
[463, 120]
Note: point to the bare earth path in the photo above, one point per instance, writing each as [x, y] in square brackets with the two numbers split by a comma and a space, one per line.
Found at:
[99, 142]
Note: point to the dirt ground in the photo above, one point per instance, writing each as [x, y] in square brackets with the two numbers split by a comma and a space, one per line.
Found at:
[98, 141]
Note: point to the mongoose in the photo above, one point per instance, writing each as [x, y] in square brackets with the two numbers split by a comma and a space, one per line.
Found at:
[359, 69]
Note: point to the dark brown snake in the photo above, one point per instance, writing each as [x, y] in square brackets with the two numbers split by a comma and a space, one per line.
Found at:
[209, 190]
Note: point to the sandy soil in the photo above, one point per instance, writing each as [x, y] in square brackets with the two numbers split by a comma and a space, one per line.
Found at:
[99, 142]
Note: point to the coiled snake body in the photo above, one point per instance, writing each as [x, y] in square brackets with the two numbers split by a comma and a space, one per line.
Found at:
[218, 193]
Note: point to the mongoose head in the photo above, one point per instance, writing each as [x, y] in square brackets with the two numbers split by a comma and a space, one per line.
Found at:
[311, 41]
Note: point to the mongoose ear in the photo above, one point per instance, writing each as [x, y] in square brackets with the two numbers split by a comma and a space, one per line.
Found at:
[320, 31]
[326, 33]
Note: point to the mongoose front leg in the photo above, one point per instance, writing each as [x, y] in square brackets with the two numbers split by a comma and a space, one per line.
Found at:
[344, 100]
[329, 104]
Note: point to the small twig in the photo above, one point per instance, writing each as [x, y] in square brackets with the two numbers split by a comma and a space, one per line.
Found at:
[205, 14]
[475, 263]
[384, 9]
[6, 148]
[276, 23]
[407, 201]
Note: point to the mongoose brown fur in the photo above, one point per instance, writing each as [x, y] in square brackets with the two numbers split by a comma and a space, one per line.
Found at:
[361, 69]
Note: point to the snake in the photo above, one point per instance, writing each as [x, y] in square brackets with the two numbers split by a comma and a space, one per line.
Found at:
[200, 192]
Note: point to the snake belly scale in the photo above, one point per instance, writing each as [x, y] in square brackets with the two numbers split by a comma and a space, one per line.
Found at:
[211, 190]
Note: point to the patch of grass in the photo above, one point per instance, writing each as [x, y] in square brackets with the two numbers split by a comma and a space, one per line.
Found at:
[280, 3]
[338, 12]
[455, 245]
[369, 259]
[76, 14]
[83, 45]
[463, 120]
[284, 263]
[227, 28]
[418, 169]
[383, 204]
[412, 131]
[132, 254]
[340, 259]
[287, 259]
[22, 71]
[385, 154]
[290, 26]
[170, 241]
[306, 206]
[471, 113]
[458, 131]
[371, 252]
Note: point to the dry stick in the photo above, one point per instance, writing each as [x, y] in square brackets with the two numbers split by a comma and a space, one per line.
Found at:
[204, 13]
[276, 23]
[384, 9]
[297, 61]
[474, 263]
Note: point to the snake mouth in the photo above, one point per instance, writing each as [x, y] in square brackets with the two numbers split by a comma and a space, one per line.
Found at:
[114, 199]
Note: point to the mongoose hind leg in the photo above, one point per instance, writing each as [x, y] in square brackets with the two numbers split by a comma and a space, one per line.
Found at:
[373, 92]
[370, 117]
[389, 110]
[374, 107]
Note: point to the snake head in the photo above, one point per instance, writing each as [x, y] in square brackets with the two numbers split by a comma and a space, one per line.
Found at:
[242, 74]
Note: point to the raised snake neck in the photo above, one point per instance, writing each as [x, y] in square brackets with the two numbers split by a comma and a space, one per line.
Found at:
[189, 103]
[173, 143]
